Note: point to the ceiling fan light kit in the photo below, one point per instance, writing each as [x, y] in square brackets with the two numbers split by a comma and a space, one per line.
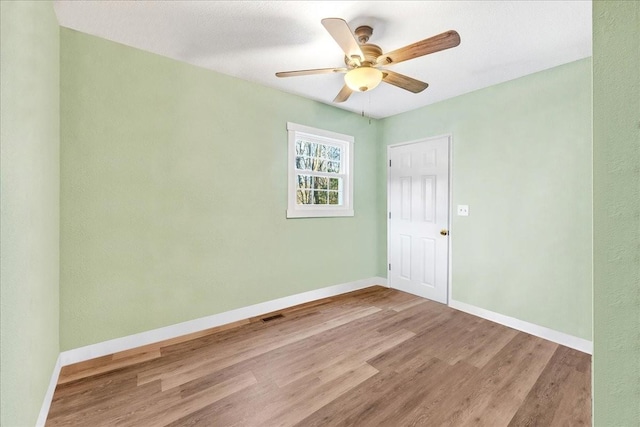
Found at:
[363, 60]
[363, 79]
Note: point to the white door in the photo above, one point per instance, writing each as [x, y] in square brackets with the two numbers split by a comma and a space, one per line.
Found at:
[418, 218]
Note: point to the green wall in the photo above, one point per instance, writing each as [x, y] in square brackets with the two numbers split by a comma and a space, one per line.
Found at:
[29, 194]
[522, 162]
[173, 194]
[616, 173]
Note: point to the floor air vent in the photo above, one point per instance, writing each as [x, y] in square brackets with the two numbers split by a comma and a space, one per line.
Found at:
[270, 318]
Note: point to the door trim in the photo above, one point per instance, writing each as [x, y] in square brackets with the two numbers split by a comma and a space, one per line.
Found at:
[450, 216]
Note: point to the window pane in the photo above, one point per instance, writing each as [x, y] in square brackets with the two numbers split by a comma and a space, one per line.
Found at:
[304, 181]
[323, 150]
[320, 197]
[334, 183]
[320, 183]
[334, 153]
[302, 148]
[303, 163]
[333, 198]
[313, 149]
[319, 165]
[303, 197]
[333, 167]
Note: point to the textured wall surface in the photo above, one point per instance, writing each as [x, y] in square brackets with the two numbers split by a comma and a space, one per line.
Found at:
[173, 194]
[29, 194]
[616, 152]
[522, 162]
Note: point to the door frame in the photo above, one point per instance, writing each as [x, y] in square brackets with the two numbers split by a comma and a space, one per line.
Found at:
[449, 137]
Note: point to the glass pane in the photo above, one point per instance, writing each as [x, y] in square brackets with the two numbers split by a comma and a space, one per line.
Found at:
[334, 183]
[334, 153]
[304, 181]
[320, 183]
[308, 164]
[302, 148]
[323, 149]
[320, 197]
[299, 163]
[303, 197]
[312, 149]
[333, 198]
[319, 165]
[333, 167]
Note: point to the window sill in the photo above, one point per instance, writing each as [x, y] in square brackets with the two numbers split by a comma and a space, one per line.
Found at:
[300, 213]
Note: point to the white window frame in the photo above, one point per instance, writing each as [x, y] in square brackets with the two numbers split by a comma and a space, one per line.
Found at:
[322, 136]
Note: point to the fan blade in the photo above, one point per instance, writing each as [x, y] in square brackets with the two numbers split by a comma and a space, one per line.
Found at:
[342, 34]
[433, 44]
[344, 94]
[403, 82]
[309, 72]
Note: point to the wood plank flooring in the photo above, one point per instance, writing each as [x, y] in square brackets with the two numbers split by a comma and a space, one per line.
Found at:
[376, 357]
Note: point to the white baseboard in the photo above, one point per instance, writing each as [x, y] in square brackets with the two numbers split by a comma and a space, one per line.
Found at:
[567, 340]
[46, 403]
[156, 335]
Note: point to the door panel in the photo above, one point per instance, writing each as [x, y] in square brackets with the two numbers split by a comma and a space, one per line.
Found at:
[429, 184]
[405, 203]
[429, 258]
[405, 256]
[418, 202]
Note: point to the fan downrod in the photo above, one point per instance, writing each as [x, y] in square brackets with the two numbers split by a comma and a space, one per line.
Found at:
[363, 33]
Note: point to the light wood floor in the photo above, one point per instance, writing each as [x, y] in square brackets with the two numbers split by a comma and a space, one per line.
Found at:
[377, 357]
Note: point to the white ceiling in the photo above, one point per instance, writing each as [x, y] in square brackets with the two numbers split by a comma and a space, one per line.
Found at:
[252, 40]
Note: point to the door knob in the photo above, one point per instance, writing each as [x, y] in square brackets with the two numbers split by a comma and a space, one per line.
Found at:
[444, 232]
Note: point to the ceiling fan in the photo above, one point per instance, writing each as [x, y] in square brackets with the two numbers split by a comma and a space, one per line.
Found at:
[364, 60]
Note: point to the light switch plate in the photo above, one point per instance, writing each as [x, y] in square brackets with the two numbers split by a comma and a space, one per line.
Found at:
[463, 210]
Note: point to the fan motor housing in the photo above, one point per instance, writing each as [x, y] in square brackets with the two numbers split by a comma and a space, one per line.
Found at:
[371, 53]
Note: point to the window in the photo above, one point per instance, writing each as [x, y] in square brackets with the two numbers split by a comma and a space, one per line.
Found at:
[320, 168]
